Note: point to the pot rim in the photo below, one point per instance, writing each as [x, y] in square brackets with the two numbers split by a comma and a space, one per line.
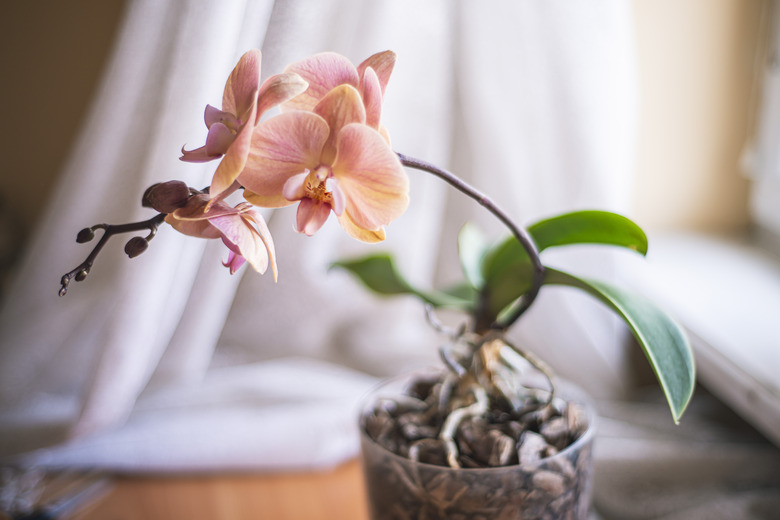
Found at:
[568, 391]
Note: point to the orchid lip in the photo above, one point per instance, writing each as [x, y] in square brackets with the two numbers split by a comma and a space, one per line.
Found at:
[295, 187]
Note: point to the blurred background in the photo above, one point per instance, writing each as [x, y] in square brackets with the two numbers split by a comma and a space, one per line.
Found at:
[695, 77]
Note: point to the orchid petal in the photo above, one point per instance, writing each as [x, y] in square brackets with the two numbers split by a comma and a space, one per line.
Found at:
[382, 63]
[211, 115]
[364, 235]
[294, 189]
[234, 261]
[253, 217]
[234, 160]
[222, 195]
[339, 200]
[236, 231]
[372, 98]
[230, 245]
[241, 87]
[198, 225]
[282, 146]
[323, 72]
[198, 207]
[266, 200]
[311, 216]
[214, 115]
[193, 228]
[341, 106]
[242, 229]
[371, 177]
[197, 155]
[278, 89]
[385, 135]
[218, 139]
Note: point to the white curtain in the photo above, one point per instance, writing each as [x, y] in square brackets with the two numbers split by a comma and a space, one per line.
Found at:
[164, 362]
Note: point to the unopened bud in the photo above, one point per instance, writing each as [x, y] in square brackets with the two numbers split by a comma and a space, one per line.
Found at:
[135, 246]
[81, 275]
[85, 235]
[166, 197]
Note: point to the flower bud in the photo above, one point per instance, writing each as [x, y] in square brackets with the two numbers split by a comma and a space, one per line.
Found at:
[135, 246]
[81, 275]
[85, 235]
[166, 197]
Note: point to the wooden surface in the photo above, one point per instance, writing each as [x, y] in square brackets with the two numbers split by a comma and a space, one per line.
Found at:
[333, 494]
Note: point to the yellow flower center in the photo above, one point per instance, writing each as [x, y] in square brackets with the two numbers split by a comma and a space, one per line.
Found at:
[316, 186]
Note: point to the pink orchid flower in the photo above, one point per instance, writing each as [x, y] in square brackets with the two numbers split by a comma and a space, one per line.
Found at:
[327, 70]
[230, 130]
[242, 229]
[327, 160]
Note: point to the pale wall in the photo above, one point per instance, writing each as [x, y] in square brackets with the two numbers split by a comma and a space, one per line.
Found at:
[697, 63]
[51, 55]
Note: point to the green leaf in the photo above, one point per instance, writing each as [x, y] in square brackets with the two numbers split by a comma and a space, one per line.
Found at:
[464, 291]
[579, 227]
[378, 273]
[500, 293]
[506, 270]
[589, 227]
[472, 247]
[663, 341]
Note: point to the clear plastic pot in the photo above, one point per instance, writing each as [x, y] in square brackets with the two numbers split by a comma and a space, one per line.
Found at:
[555, 487]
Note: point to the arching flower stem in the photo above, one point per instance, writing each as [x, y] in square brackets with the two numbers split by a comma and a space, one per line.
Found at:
[520, 233]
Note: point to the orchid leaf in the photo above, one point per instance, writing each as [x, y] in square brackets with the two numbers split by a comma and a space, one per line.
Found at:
[589, 227]
[663, 341]
[464, 291]
[579, 227]
[506, 269]
[501, 293]
[379, 273]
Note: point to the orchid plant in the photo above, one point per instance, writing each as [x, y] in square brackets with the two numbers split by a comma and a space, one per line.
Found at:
[328, 151]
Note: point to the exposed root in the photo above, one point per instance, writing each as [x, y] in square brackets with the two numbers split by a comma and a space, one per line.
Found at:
[457, 416]
[508, 355]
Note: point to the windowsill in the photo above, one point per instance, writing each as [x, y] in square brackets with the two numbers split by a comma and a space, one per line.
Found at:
[726, 293]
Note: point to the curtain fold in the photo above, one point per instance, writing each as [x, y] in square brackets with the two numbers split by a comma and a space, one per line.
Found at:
[98, 347]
